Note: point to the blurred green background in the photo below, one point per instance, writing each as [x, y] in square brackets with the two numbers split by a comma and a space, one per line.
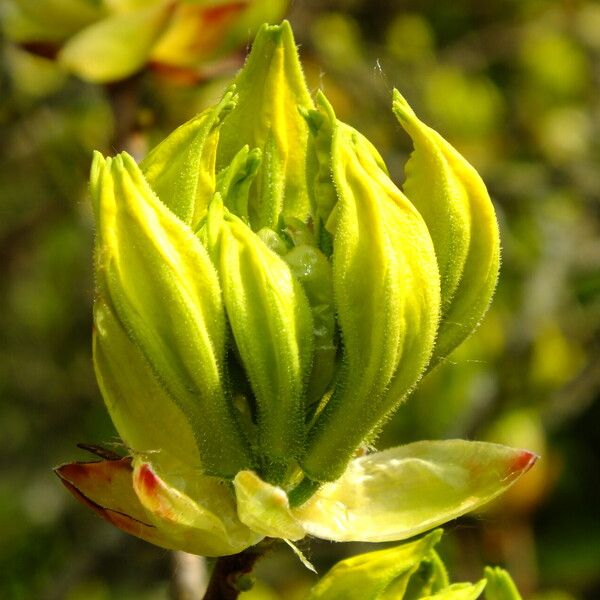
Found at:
[514, 85]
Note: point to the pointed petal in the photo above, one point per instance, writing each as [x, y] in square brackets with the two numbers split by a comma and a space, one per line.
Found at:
[160, 283]
[456, 206]
[272, 326]
[264, 507]
[181, 169]
[115, 47]
[386, 289]
[200, 514]
[400, 492]
[271, 87]
[379, 575]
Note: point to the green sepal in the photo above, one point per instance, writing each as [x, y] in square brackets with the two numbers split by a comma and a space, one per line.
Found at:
[116, 46]
[500, 585]
[181, 169]
[271, 324]
[379, 575]
[386, 288]
[456, 206]
[159, 281]
[271, 88]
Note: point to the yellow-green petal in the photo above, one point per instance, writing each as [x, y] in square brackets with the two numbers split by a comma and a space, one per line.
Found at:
[181, 169]
[265, 508]
[401, 492]
[271, 88]
[380, 575]
[386, 291]
[272, 328]
[456, 206]
[159, 281]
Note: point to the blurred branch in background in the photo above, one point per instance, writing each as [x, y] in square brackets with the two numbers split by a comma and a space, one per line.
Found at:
[190, 576]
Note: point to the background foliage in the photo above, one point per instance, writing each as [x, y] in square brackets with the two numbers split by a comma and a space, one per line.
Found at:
[514, 85]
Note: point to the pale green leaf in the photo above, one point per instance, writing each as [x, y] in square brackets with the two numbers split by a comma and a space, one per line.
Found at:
[380, 575]
[403, 491]
[201, 520]
[197, 512]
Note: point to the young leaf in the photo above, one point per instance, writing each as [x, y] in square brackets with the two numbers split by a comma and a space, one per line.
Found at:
[380, 575]
[401, 492]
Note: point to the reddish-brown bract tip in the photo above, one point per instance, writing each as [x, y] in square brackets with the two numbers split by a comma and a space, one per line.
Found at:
[147, 479]
[91, 484]
[522, 462]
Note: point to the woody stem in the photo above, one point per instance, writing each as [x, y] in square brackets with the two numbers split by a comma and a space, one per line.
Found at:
[227, 580]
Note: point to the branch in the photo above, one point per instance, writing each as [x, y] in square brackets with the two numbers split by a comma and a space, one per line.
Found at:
[228, 577]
